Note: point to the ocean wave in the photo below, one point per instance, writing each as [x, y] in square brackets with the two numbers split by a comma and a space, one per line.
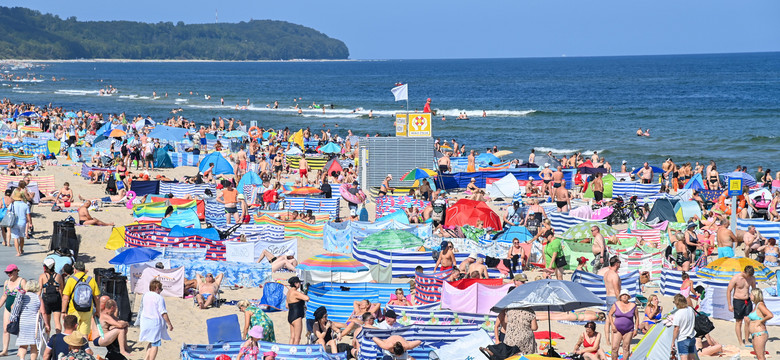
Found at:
[27, 91]
[181, 100]
[478, 113]
[28, 80]
[76, 92]
[544, 150]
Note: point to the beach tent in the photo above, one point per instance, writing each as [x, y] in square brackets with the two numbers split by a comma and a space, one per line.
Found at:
[695, 183]
[487, 158]
[182, 217]
[208, 233]
[685, 210]
[607, 179]
[250, 178]
[221, 165]
[161, 157]
[506, 187]
[655, 344]
[168, 133]
[663, 210]
[542, 159]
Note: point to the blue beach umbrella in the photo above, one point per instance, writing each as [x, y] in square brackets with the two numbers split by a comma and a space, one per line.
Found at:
[747, 179]
[487, 158]
[70, 114]
[134, 256]
[656, 170]
[330, 148]
[29, 114]
[515, 232]
[236, 134]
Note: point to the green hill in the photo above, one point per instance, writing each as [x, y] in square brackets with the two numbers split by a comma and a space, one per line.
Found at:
[29, 34]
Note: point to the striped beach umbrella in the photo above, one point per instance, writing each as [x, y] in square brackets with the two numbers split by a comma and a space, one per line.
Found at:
[332, 262]
[725, 268]
[418, 173]
[582, 231]
[31, 128]
[117, 133]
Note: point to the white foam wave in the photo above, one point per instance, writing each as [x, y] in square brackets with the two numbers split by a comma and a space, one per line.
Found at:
[544, 150]
[478, 113]
[28, 80]
[27, 91]
[181, 100]
[76, 92]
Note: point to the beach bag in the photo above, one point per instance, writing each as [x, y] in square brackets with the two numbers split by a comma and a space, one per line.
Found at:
[51, 293]
[9, 219]
[702, 324]
[82, 294]
[560, 262]
[3, 210]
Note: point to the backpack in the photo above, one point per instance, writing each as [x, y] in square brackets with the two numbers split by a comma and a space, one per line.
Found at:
[82, 294]
[50, 292]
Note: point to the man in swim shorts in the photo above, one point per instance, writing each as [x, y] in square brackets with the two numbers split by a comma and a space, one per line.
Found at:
[444, 163]
[546, 175]
[207, 288]
[726, 239]
[741, 284]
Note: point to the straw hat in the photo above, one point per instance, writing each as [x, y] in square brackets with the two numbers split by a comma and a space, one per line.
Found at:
[75, 339]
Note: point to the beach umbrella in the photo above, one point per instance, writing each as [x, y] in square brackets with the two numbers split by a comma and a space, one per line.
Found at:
[542, 159]
[169, 133]
[445, 148]
[582, 230]
[332, 262]
[725, 268]
[487, 158]
[117, 133]
[503, 153]
[303, 191]
[143, 122]
[588, 168]
[418, 173]
[70, 114]
[468, 212]
[747, 179]
[293, 151]
[30, 128]
[390, 239]
[236, 134]
[514, 232]
[656, 169]
[330, 148]
[352, 193]
[549, 295]
[29, 114]
[134, 256]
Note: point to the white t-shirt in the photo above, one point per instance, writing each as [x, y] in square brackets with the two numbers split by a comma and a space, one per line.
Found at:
[386, 326]
[685, 319]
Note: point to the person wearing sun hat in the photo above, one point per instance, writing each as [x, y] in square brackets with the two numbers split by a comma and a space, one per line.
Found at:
[250, 349]
[76, 341]
[269, 355]
[12, 288]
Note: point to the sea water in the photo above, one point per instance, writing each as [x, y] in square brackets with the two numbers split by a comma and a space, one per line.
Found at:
[697, 107]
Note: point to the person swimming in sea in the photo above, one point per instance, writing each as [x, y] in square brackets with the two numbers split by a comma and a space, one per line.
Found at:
[647, 132]
[640, 132]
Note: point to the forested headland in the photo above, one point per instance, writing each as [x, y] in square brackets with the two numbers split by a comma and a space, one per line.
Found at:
[30, 34]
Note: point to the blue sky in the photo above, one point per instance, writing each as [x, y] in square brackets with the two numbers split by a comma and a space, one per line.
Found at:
[375, 29]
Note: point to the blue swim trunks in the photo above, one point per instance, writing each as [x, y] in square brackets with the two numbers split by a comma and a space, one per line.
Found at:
[725, 251]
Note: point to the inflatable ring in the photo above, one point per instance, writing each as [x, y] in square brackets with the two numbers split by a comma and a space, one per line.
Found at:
[130, 196]
[254, 132]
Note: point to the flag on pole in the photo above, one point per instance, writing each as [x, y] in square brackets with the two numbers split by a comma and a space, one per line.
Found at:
[401, 92]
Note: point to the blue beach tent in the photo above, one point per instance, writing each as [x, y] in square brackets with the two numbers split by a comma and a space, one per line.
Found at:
[221, 165]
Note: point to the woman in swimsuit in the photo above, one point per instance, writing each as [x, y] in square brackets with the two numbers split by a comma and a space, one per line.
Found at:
[624, 317]
[384, 188]
[683, 258]
[400, 299]
[355, 319]
[771, 252]
[516, 256]
[686, 289]
[472, 186]
[296, 302]
[767, 179]
[590, 341]
[757, 325]
[653, 313]
[11, 288]
[712, 178]
[325, 331]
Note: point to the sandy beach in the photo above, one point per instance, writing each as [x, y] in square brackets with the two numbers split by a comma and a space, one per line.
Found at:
[190, 322]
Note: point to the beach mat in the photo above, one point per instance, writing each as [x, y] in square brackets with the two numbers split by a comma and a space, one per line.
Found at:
[541, 335]
[223, 328]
